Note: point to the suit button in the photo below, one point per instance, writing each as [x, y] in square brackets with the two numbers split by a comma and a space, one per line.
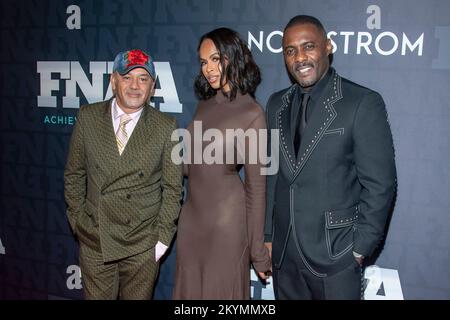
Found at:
[97, 166]
[141, 175]
[127, 220]
[103, 193]
[128, 196]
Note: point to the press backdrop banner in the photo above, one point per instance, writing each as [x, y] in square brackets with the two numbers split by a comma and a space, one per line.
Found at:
[56, 55]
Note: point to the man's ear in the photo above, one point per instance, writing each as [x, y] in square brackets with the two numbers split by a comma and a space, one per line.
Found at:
[329, 47]
[112, 79]
[152, 89]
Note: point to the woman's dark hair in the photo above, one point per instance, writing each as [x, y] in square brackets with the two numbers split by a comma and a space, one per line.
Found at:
[241, 71]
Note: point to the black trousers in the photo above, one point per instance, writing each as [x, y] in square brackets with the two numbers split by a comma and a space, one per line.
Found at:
[293, 281]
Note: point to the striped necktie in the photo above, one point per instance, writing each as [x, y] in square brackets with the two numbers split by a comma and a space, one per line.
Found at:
[121, 135]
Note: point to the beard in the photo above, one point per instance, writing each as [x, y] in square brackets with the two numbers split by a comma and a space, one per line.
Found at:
[304, 80]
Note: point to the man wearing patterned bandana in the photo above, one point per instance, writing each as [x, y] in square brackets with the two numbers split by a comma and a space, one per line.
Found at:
[328, 205]
[122, 190]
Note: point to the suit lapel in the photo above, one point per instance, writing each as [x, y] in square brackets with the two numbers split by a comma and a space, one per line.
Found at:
[142, 134]
[107, 146]
[321, 118]
[284, 125]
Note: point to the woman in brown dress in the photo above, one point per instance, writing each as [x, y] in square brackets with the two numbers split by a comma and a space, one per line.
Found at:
[220, 229]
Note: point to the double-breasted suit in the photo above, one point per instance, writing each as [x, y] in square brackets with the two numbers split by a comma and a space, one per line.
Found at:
[335, 195]
[122, 205]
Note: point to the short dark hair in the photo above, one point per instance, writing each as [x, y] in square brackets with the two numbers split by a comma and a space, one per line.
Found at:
[241, 71]
[304, 19]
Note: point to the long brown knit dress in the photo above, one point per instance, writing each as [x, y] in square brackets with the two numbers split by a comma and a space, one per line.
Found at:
[220, 229]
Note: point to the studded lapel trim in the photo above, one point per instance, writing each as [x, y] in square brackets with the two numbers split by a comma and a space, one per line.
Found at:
[283, 122]
[321, 118]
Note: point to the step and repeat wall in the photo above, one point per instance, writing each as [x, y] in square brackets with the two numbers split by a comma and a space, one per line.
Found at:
[57, 55]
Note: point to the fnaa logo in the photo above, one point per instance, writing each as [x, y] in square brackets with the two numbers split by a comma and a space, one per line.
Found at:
[379, 284]
[69, 74]
[382, 284]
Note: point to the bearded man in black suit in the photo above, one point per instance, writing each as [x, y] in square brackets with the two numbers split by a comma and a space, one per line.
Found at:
[328, 205]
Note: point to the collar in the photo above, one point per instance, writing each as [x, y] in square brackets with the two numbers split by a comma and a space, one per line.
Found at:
[221, 98]
[117, 111]
[317, 89]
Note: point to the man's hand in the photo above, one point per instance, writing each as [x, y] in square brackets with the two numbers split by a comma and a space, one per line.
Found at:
[359, 258]
[360, 261]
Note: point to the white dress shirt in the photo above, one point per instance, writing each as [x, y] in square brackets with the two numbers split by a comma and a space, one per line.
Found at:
[117, 112]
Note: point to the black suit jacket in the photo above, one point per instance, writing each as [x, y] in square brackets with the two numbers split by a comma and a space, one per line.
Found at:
[336, 197]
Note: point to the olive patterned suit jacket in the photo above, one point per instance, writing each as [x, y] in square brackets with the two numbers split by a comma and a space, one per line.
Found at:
[121, 205]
